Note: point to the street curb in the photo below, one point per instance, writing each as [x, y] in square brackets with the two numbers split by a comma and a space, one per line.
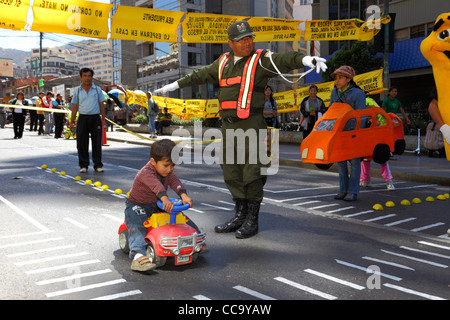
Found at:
[406, 176]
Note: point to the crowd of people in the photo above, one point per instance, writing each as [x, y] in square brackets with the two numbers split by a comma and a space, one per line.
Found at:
[43, 122]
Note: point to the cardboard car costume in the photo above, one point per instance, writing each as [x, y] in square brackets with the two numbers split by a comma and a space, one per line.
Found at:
[344, 133]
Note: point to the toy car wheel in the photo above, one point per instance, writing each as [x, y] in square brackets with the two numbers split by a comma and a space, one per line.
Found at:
[123, 241]
[154, 258]
[381, 153]
[75, 136]
[66, 135]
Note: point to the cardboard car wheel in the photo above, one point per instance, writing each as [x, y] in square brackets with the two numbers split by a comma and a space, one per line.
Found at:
[323, 166]
[158, 260]
[399, 147]
[123, 241]
[381, 153]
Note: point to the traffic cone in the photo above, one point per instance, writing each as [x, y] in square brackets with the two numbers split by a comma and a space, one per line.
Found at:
[104, 141]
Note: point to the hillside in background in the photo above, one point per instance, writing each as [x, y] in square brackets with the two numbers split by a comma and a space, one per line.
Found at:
[18, 56]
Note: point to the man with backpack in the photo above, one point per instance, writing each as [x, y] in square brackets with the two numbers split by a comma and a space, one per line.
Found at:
[152, 112]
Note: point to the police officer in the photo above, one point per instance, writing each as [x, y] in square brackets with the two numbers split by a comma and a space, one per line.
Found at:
[241, 97]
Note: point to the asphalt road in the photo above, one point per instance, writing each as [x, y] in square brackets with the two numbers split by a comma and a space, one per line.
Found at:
[58, 237]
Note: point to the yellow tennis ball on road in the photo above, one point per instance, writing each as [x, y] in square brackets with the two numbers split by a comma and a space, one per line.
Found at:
[390, 204]
[44, 166]
[378, 207]
[88, 181]
[105, 187]
[429, 199]
[416, 200]
[118, 191]
[54, 170]
[77, 178]
[97, 183]
[62, 173]
[441, 197]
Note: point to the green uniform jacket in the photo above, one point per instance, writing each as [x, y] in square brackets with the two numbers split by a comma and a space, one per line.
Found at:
[285, 62]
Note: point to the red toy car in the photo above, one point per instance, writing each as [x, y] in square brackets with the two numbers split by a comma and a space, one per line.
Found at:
[168, 235]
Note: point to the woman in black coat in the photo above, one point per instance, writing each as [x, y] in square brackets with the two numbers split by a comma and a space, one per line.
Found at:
[19, 115]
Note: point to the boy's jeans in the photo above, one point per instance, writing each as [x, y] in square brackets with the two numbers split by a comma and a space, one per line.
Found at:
[135, 216]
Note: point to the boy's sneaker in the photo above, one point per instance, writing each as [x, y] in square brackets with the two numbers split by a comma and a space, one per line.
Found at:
[390, 185]
[142, 264]
[99, 170]
[83, 170]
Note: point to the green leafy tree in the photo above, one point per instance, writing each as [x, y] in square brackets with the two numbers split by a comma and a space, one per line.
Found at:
[360, 56]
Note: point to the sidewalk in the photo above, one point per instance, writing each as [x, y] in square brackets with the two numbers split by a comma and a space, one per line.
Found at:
[407, 167]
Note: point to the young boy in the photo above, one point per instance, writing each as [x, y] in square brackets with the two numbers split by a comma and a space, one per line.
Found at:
[149, 186]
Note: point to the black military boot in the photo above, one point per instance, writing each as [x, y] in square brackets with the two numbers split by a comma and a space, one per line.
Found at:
[250, 226]
[238, 219]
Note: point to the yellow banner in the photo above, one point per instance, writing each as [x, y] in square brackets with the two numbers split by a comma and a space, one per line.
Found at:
[137, 23]
[331, 30]
[175, 106]
[289, 101]
[91, 19]
[76, 17]
[269, 29]
[204, 27]
[212, 108]
[195, 108]
[139, 98]
[13, 14]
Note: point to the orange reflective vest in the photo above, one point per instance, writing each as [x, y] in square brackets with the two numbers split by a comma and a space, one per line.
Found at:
[246, 82]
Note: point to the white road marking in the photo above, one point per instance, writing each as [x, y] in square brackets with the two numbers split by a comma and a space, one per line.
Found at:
[334, 279]
[307, 289]
[253, 293]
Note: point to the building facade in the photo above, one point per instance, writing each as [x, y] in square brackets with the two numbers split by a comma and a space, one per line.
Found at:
[56, 62]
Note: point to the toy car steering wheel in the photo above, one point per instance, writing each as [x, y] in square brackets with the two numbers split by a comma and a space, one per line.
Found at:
[177, 205]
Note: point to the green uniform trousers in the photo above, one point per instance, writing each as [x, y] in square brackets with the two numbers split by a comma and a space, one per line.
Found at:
[242, 146]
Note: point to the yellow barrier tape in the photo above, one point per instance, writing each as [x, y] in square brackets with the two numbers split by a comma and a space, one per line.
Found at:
[151, 139]
[91, 19]
[35, 108]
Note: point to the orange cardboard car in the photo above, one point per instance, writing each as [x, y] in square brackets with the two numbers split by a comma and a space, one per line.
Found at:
[343, 133]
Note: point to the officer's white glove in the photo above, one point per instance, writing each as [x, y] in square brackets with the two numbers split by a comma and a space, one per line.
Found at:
[445, 129]
[315, 62]
[169, 87]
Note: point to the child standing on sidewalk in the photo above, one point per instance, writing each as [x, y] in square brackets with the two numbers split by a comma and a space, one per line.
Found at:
[149, 186]
[365, 164]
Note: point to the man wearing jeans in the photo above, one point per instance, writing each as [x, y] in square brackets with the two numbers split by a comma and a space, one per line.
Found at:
[89, 102]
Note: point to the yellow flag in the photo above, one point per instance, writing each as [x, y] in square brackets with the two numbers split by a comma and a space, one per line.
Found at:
[137, 23]
[13, 14]
[77, 17]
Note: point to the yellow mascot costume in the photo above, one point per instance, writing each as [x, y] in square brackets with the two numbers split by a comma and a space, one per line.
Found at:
[436, 49]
